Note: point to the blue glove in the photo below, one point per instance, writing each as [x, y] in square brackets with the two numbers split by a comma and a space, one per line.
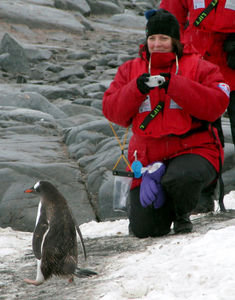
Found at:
[151, 191]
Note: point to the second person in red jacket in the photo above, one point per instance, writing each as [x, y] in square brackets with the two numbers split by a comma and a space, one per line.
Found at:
[171, 123]
[210, 27]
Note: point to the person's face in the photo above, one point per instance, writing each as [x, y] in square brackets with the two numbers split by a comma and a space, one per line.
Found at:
[159, 43]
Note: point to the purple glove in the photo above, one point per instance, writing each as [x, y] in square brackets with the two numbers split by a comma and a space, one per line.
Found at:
[151, 191]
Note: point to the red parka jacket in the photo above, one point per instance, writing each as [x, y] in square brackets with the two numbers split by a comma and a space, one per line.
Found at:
[196, 93]
[209, 36]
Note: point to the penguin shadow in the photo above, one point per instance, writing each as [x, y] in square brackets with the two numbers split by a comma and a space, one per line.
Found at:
[55, 237]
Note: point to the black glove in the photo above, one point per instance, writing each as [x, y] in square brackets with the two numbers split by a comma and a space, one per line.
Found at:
[165, 84]
[143, 88]
[229, 43]
[229, 47]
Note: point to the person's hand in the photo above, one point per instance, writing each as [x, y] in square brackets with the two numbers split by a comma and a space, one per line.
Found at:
[141, 83]
[155, 171]
[148, 191]
[165, 84]
[151, 191]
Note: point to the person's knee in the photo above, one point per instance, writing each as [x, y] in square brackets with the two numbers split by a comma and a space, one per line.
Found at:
[184, 190]
[159, 228]
[149, 229]
[180, 179]
[138, 231]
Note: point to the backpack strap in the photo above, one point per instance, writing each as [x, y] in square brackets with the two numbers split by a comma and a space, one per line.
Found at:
[221, 183]
[205, 12]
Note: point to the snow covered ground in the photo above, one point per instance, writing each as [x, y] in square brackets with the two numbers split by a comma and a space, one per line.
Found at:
[194, 266]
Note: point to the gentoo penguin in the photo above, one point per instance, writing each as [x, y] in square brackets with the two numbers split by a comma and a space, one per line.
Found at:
[55, 236]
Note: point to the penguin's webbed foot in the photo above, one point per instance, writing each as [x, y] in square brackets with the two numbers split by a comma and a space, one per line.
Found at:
[34, 282]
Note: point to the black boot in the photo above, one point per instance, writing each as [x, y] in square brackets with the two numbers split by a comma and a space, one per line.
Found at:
[205, 205]
[206, 201]
[183, 224]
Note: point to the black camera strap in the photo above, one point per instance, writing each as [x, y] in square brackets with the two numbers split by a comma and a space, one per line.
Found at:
[205, 12]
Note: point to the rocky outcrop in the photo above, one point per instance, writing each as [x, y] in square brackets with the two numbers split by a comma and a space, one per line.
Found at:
[56, 60]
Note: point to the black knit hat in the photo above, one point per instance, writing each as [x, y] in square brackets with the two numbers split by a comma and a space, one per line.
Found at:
[162, 21]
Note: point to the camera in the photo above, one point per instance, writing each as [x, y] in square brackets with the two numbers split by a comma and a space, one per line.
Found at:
[155, 81]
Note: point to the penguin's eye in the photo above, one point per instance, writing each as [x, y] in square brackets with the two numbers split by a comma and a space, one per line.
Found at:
[37, 189]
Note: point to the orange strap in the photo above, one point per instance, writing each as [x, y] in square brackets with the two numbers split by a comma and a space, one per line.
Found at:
[122, 156]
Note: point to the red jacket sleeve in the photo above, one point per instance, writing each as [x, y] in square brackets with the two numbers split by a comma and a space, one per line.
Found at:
[203, 98]
[122, 99]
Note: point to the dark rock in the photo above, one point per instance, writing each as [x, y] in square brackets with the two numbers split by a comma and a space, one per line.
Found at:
[228, 178]
[54, 68]
[39, 17]
[76, 110]
[90, 65]
[13, 58]
[76, 70]
[23, 29]
[80, 150]
[36, 55]
[127, 20]
[64, 91]
[21, 78]
[105, 7]
[229, 156]
[77, 55]
[80, 6]
[30, 100]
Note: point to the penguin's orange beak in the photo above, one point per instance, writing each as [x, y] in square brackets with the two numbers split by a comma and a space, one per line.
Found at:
[29, 191]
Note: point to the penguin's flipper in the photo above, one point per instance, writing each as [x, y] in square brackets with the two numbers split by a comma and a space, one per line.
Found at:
[39, 232]
[81, 240]
[84, 272]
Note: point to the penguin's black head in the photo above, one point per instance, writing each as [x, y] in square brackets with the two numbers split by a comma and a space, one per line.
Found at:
[40, 187]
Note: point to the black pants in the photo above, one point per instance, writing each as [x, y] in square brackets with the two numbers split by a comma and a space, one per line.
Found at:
[231, 114]
[185, 177]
